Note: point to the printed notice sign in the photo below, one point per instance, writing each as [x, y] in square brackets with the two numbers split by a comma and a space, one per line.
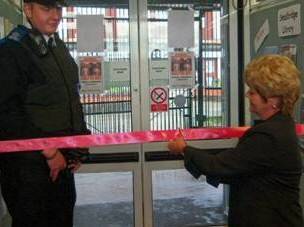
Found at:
[180, 28]
[261, 35]
[289, 50]
[119, 71]
[90, 33]
[289, 21]
[159, 70]
[159, 99]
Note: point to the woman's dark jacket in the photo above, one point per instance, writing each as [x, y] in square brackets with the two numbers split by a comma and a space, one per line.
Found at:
[263, 172]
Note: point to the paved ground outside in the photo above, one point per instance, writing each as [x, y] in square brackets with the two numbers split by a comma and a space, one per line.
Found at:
[106, 200]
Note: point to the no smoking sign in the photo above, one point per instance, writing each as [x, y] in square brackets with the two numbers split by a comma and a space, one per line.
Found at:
[159, 99]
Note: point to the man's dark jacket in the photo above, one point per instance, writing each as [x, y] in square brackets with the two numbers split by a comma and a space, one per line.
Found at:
[38, 98]
[263, 172]
[38, 88]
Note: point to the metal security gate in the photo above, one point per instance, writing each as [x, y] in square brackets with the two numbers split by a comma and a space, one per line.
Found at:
[109, 111]
[206, 105]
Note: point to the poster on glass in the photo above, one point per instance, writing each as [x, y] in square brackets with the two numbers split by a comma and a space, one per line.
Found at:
[91, 75]
[182, 69]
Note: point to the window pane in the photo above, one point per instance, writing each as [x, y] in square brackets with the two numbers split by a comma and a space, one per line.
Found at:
[104, 199]
[107, 110]
[179, 200]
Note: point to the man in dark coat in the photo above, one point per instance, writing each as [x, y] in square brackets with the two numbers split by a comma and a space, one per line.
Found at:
[39, 98]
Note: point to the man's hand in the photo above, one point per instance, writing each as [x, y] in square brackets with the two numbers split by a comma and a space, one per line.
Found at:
[177, 146]
[55, 161]
[74, 165]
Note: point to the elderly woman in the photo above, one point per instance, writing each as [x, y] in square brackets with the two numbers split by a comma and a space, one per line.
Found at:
[264, 169]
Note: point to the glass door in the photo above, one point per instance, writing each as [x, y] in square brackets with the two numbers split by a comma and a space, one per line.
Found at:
[188, 61]
[172, 197]
[109, 184]
[109, 76]
[152, 82]
[109, 189]
[185, 75]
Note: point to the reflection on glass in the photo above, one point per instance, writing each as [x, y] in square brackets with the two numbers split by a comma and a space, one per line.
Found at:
[106, 110]
[179, 200]
[206, 102]
[104, 199]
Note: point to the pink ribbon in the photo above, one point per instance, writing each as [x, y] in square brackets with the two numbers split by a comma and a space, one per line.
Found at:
[125, 138]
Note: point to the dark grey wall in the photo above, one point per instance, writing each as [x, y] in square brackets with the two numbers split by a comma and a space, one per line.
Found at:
[10, 12]
[256, 21]
[258, 18]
